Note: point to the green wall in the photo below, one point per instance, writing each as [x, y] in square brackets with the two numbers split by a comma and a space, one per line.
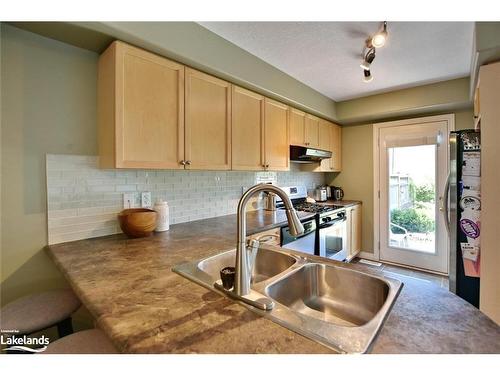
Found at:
[356, 177]
[443, 96]
[191, 44]
[48, 106]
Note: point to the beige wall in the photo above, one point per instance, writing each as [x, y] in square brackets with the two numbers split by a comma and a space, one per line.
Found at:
[356, 177]
[48, 106]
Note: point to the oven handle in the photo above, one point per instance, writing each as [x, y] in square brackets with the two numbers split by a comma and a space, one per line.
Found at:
[332, 223]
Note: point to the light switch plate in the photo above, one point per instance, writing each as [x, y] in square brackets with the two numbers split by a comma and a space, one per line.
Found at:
[130, 200]
[146, 199]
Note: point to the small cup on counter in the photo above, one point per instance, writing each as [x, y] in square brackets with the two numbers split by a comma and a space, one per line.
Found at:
[227, 276]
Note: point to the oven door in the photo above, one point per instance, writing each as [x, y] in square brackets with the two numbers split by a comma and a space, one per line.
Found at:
[304, 243]
[333, 238]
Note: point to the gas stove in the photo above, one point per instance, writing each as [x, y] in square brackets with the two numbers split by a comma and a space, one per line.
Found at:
[298, 195]
[326, 234]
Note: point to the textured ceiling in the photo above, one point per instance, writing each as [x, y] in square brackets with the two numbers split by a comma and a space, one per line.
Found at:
[326, 55]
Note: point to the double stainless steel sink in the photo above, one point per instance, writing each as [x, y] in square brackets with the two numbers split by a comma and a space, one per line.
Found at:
[324, 300]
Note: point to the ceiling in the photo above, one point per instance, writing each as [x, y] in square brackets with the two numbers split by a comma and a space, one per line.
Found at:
[326, 55]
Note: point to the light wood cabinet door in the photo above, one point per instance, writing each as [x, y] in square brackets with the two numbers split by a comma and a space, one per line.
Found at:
[207, 122]
[276, 140]
[336, 148]
[141, 109]
[325, 143]
[353, 230]
[247, 130]
[297, 121]
[311, 133]
[356, 229]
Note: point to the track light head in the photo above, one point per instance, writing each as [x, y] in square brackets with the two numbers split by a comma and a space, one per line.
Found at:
[368, 59]
[367, 76]
[379, 39]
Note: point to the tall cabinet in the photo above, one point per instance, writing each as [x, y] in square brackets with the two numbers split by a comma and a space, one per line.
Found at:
[488, 111]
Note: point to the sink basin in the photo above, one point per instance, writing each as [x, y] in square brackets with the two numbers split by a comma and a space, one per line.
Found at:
[334, 294]
[325, 300]
[268, 264]
[206, 272]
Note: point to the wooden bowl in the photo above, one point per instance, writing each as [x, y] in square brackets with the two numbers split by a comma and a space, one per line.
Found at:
[137, 222]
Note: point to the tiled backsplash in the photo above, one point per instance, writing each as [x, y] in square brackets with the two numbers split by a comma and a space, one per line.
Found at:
[83, 200]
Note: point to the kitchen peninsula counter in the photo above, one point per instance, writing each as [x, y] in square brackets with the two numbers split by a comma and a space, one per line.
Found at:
[135, 298]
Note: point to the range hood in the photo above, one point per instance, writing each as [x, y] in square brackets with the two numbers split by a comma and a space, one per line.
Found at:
[301, 154]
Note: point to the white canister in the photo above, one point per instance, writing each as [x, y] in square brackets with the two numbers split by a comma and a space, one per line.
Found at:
[163, 220]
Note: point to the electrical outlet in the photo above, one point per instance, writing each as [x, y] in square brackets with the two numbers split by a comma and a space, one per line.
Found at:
[146, 199]
[130, 200]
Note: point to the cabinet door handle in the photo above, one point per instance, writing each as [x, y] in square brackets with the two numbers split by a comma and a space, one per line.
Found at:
[182, 162]
[188, 162]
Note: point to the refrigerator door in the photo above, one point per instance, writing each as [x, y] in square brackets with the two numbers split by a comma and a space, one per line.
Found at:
[460, 283]
[451, 212]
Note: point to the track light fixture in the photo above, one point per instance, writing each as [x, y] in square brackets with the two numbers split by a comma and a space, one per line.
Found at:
[372, 43]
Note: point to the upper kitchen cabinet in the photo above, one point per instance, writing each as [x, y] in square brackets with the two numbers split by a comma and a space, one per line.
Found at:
[276, 140]
[336, 148]
[297, 123]
[140, 109]
[311, 131]
[259, 132]
[304, 129]
[330, 140]
[325, 143]
[247, 130]
[207, 122]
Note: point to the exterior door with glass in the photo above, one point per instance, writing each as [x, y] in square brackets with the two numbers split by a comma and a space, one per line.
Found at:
[413, 162]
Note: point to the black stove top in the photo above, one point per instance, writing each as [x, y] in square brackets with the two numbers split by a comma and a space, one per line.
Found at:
[314, 207]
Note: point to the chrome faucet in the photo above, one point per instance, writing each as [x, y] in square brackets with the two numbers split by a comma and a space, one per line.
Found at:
[243, 264]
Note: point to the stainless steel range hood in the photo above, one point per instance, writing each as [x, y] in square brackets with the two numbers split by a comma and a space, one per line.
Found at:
[301, 154]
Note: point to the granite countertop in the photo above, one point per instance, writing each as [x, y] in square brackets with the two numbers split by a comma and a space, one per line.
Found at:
[129, 288]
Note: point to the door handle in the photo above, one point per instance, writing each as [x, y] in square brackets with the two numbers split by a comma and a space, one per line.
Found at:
[444, 207]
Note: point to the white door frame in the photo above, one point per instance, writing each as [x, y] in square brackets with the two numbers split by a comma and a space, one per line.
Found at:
[449, 118]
